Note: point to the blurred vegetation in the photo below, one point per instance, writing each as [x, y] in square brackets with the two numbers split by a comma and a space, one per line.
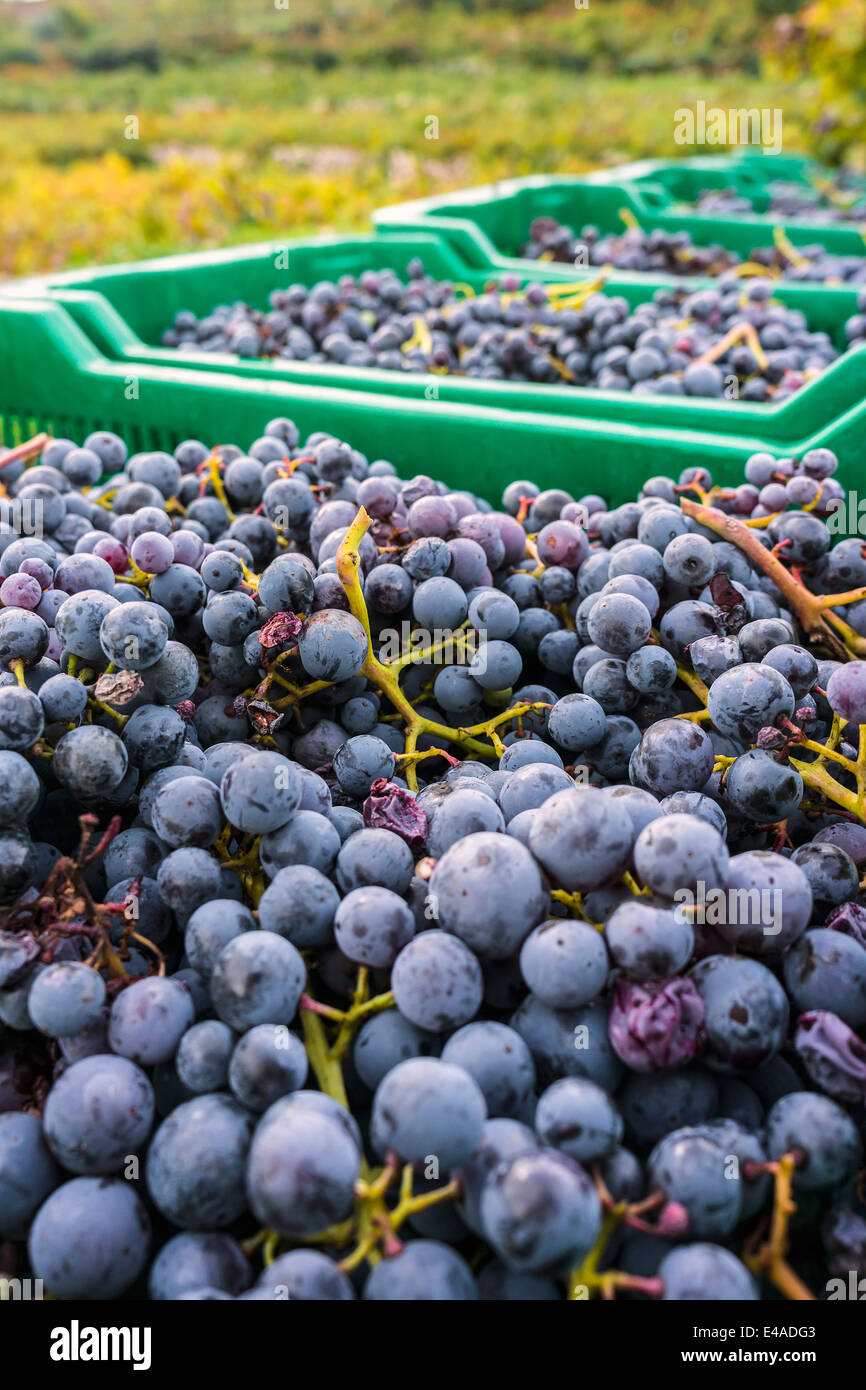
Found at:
[129, 129]
[823, 50]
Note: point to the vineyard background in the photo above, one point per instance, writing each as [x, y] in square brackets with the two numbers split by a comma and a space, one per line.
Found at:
[136, 129]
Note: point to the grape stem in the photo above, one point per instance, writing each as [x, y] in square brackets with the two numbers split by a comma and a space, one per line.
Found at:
[812, 610]
[769, 1260]
[386, 676]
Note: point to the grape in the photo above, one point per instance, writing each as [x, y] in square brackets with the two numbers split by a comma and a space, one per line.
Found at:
[684, 624]
[89, 761]
[89, 1239]
[257, 977]
[695, 804]
[577, 722]
[656, 1024]
[332, 645]
[300, 904]
[305, 1275]
[360, 761]
[302, 1171]
[372, 925]
[832, 1054]
[212, 926]
[769, 902]
[689, 1168]
[821, 1135]
[832, 874]
[426, 1106]
[674, 755]
[501, 1140]
[496, 665]
[676, 852]
[493, 870]
[63, 699]
[498, 1059]
[437, 982]
[196, 1162]
[187, 878]
[748, 697]
[827, 971]
[482, 929]
[762, 789]
[133, 635]
[425, 1271]
[195, 1260]
[847, 836]
[22, 721]
[286, 585]
[578, 1118]
[259, 793]
[689, 560]
[623, 1175]
[98, 1113]
[652, 1106]
[746, 1011]
[307, 838]
[374, 858]
[568, 1042]
[466, 812]
[640, 806]
[203, 1053]
[148, 1020]
[386, 1039]
[20, 789]
[388, 589]
[133, 851]
[267, 1062]
[323, 1105]
[28, 1172]
[494, 614]
[530, 786]
[67, 998]
[187, 812]
[651, 670]
[582, 838]
[24, 636]
[619, 623]
[564, 963]
[705, 1273]
[540, 1210]
[843, 1237]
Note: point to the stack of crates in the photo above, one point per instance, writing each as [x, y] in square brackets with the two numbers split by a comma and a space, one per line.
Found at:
[80, 350]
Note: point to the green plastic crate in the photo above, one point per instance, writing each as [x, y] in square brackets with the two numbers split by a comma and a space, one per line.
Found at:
[53, 378]
[491, 222]
[669, 189]
[123, 309]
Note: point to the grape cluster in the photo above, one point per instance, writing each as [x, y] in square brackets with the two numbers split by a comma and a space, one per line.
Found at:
[399, 895]
[788, 202]
[660, 252]
[731, 342]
